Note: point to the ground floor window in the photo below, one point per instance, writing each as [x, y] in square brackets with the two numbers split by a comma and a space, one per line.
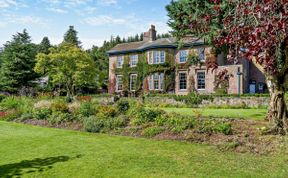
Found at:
[156, 81]
[133, 81]
[183, 81]
[119, 83]
[200, 80]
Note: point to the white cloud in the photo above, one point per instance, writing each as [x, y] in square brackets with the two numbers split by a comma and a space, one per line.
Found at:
[108, 2]
[57, 10]
[104, 20]
[7, 3]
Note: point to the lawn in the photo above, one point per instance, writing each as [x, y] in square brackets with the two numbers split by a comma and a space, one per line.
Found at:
[29, 151]
[254, 114]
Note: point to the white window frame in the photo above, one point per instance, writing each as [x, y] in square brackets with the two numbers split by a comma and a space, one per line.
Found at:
[180, 56]
[201, 52]
[202, 72]
[159, 59]
[130, 81]
[160, 83]
[117, 83]
[133, 57]
[180, 73]
[119, 64]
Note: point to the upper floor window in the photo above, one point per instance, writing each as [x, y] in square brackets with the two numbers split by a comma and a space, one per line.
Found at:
[119, 83]
[201, 80]
[201, 54]
[156, 81]
[133, 60]
[183, 81]
[183, 56]
[156, 57]
[120, 62]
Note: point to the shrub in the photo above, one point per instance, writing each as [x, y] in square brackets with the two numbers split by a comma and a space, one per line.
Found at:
[59, 117]
[74, 107]
[160, 120]
[108, 111]
[41, 114]
[178, 123]
[152, 131]
[123, 106]
[10, 115]
[193, 99]
[59, 106]
[43, 104]
[84, 98]
[2, 97]
[26, 116]
[144, 116]
[87, 109]
[213, 126]
[225, 128]
[10, 102]
[119, 122]
[93, 124]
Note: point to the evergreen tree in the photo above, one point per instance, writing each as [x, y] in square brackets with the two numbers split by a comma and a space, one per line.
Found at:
[71, 37]
[44, 46]
[18, 60]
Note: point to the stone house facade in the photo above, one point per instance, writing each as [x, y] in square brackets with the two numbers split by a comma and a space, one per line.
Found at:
[166, 66]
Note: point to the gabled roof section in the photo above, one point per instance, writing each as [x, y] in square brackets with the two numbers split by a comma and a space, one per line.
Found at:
[141, 46]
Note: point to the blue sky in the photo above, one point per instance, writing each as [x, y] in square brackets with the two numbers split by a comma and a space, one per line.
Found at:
[95, 20]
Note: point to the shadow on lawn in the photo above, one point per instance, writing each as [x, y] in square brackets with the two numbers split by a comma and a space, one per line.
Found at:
[30, 166]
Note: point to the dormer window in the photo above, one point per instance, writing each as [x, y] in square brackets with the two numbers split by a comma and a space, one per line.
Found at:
[133, 60]
[156, 57]
[120, 62]
[182, 56]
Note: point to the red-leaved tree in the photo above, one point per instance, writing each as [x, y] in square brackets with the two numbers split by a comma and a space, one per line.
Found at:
[255, 30]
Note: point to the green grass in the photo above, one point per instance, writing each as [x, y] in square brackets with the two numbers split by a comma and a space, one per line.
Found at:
[254, 114]
[29, 151]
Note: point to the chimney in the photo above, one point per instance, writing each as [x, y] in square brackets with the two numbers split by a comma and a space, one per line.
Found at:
[150, 35]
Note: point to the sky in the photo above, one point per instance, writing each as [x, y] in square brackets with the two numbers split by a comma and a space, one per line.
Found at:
[95, 20]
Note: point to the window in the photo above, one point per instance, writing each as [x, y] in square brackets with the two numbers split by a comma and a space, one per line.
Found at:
[120, 61]
[200, 80]
[133, 60]
[201, 53]
[156, 81]
[156, 57]
[133, 81]
[183, 56]
[119, 83]
[183, 81]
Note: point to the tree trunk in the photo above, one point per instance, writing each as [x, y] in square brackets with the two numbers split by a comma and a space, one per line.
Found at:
[277, 113]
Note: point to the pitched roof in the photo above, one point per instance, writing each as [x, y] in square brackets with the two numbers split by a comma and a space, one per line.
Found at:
[159, 43]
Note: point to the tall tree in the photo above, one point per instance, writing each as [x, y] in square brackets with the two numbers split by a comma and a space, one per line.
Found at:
[71, 37]
[18, 60]
[67, 66]
[253, 30]
[44, 46]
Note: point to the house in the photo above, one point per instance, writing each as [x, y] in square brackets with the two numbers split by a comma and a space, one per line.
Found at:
[167, 66]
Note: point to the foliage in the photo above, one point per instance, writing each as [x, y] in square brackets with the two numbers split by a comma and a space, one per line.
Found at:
[59, 117]
[2, 97]
[44, 46]
[87, 109]
[214, 126]
[123, 105]
[144, 116]
[93, 124]
[17, 63]
[71, 37]
[41, 113]
[107, 111]
[193, 99]
[59, 106]
[67, 66]
[152, 131]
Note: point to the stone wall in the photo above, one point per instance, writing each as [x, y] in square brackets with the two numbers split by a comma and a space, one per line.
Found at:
[250, 102]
